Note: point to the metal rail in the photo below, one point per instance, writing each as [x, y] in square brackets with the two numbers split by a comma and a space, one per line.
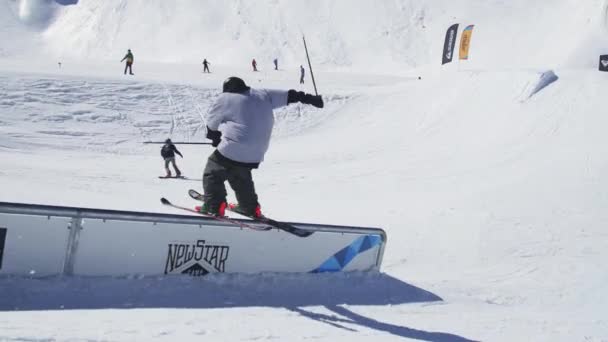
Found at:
[121, 215]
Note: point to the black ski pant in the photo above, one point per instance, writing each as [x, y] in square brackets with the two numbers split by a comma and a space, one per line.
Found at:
[128, 66]
[216, 173]
[171, 160]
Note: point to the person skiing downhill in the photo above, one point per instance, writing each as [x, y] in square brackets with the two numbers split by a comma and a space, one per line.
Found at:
[254, 64]
[168, 152]
[239, 124]
[276, 64]
[128, 65]
[206, 66]
[302, 74]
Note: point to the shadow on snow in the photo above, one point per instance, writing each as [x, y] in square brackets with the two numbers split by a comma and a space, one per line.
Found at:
[291, 291]
[217, 290]
[344, 316]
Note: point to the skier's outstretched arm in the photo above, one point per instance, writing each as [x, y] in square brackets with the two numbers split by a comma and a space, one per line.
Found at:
[176, 151]
[300, 96]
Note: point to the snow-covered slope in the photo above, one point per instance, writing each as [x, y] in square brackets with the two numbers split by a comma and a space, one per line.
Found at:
[367, 35]
[493, 200]
[12, 26]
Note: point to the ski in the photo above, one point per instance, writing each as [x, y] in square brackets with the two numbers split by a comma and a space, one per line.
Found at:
[195, 195]
[217, 218]
[172, 177]
[287, 227]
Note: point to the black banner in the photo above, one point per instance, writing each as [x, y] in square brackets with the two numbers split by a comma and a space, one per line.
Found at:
[448, 45]
[2, 240]
[604, 63]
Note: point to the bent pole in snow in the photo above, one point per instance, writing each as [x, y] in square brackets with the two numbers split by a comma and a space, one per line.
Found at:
[312, 76]
[178, 143]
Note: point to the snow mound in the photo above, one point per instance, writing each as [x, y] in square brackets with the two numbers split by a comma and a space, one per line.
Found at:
[542, 80]
[36, 12]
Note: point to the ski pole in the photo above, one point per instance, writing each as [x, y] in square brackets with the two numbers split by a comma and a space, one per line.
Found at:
[178, 142]
[312, 76]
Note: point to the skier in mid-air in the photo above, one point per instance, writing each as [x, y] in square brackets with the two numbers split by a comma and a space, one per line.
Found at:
[246, 118]
[168, 152]
[129, 64]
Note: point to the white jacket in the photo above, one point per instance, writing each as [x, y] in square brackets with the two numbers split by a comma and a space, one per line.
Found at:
[246, 122]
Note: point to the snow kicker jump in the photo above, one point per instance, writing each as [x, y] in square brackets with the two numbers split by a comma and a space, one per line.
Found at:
[42, 240]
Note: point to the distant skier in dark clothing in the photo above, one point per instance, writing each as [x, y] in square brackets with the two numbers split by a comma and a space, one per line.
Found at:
[276, 64]
[168, 152]
[302, 74]
[254, 64]
[129, 58]
[206, 66]
[246, 118]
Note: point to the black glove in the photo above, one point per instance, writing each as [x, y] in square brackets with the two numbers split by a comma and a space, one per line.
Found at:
[214, 136]
[300, 96]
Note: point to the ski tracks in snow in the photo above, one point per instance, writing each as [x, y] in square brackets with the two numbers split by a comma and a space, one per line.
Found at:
[97, 115]
[115, 116]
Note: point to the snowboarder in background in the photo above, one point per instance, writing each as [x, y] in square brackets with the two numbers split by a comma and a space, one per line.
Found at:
[276, 64]
[129, 58]
[246, 117]
[254, 64]
[168, 152]
[302, 74]
[206, 66]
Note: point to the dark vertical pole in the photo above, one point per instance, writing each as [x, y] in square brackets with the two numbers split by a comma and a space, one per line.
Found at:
[2, 241]
[312, 76]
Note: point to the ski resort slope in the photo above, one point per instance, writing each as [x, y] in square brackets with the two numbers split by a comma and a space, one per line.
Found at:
[388, 37]
[493, 196]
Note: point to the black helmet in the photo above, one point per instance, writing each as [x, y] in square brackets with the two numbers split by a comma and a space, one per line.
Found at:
[168, 141]
[234, 85]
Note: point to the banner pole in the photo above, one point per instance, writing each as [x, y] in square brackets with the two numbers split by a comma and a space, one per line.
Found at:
[312, 76]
